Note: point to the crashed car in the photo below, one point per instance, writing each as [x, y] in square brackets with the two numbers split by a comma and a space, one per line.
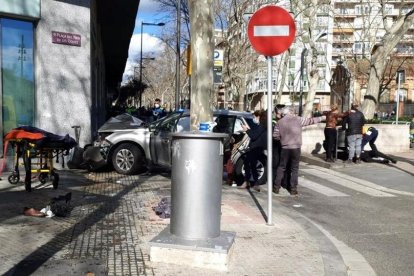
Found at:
[131, 148]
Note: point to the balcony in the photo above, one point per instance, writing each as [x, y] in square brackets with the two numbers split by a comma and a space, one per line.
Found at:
[343, 30]
[343, 40]
[349, 13]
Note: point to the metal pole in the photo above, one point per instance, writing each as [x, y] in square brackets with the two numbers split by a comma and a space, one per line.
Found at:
[140, 67]
[269, 141]
[302, 61]
[398, 98]
[177, 69]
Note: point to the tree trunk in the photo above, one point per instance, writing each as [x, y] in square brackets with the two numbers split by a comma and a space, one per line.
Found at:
[285, 64]
[202, 45]
[378, 61]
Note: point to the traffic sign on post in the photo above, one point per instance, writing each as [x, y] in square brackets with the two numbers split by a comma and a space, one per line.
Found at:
[271, 30]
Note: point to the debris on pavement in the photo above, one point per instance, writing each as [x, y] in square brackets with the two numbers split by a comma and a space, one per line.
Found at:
[163, 209]
[32, 212]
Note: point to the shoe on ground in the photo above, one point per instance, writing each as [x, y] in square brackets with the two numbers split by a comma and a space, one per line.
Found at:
[358, 161]
[245, 185]
[31, 212]
[275, 190]
[349, 161]
[332, 160]
[294, 192]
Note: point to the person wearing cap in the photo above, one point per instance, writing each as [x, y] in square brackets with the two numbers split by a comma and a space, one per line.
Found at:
[332, 118]
[353, 124]
[289, 131]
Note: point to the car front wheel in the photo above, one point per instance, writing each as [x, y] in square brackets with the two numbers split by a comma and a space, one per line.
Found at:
[127, 159]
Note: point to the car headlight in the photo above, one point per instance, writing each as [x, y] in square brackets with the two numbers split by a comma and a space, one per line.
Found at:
[105, 144]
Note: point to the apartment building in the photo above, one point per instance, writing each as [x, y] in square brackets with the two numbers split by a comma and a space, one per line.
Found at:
[343, 32]
[358, 28]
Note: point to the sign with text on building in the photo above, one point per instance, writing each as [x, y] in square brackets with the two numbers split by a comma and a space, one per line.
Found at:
[66, 38]
[271, 30]
[218, 57]
[218, 66]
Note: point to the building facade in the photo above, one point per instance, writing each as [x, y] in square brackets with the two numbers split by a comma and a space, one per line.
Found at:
[339, 32]
[61, 61]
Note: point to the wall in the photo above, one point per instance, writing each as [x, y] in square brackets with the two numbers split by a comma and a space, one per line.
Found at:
[391, 138]
[63, 72]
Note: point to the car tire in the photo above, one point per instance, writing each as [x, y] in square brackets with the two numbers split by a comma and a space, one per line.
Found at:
[239, 170]
[127, 159]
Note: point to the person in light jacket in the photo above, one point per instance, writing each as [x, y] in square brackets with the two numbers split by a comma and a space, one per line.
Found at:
[289, 131]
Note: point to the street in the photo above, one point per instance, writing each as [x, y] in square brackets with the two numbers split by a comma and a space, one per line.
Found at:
[369, 207]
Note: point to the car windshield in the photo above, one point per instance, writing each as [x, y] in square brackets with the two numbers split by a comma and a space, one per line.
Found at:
[122, 121]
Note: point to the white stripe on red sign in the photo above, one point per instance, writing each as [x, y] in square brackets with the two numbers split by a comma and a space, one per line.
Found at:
[282, 30]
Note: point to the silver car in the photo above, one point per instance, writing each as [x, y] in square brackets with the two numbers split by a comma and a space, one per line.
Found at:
[133, 149]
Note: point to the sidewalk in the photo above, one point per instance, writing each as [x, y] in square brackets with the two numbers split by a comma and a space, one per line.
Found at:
[112, 221]
[108, 230]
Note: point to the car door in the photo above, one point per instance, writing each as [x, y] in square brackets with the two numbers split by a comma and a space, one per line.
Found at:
[160, 141]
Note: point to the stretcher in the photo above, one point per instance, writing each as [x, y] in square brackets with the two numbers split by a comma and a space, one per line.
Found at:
[38, 149]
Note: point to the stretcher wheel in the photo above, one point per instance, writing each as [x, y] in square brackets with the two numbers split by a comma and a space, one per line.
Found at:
[55, 180]
[13, 179]
[43, 178]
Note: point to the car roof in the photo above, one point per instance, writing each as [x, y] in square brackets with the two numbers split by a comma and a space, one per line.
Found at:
[218, 112]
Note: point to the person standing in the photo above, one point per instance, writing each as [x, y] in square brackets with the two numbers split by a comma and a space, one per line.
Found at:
[330, 131]
[353, 124]
[289, 131]
[257, 145]
[157, 111]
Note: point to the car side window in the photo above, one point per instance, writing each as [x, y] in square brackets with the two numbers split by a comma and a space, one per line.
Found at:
[169, 124]
[238, 126]
[225, 124]
[183, 124]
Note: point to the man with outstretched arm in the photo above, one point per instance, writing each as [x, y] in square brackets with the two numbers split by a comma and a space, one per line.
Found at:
[289, 131]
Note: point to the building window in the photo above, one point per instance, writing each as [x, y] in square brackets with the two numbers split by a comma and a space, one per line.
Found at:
[291, 80]
[17, 73]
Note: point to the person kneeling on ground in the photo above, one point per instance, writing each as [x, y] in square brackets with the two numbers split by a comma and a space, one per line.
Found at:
[370, 135]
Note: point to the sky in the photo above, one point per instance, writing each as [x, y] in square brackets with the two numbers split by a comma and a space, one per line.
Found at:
[147, 12]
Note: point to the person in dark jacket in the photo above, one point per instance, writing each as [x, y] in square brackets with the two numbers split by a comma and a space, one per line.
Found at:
[353, 123]
[257, 145]
[370, 135]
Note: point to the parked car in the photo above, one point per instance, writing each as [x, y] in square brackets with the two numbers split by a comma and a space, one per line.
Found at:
[134, 148]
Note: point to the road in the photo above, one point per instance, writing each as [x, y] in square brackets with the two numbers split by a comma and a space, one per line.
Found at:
[369, 207]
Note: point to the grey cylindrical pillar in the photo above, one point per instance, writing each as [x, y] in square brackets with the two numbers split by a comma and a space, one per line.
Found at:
[196, 180]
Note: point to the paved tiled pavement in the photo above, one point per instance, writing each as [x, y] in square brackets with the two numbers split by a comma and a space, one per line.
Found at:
[112, 221]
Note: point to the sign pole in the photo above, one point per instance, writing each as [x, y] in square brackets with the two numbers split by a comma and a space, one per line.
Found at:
[271, 31]
[398, 97]
[269, 141]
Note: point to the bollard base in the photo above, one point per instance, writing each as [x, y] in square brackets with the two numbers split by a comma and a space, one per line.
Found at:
[212, 253]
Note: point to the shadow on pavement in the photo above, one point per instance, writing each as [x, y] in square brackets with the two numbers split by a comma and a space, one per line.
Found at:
[38, 257]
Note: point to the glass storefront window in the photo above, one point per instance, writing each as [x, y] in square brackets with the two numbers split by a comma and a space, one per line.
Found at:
[17, 76]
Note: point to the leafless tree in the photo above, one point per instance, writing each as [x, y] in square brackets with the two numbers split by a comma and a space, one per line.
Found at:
[393, 34]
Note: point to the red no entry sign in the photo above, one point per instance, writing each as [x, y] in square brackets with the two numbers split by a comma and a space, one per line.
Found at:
[271, 30]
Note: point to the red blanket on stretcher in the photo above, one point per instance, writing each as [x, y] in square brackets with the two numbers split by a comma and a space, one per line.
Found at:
[40, 137]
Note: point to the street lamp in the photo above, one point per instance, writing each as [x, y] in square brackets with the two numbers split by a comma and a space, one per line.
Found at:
[140, 59]
[177, 62]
